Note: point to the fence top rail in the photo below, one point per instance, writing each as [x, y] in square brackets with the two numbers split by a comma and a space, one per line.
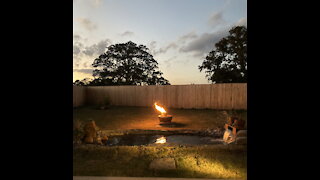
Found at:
[169, 85]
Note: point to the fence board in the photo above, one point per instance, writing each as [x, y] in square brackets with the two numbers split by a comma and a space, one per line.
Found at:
[211, 96]
[78, 96]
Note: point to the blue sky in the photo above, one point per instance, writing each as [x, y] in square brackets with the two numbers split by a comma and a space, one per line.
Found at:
[179, 33]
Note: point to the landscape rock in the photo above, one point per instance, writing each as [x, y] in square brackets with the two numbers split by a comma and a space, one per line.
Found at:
[163, 164]
[90, 132]
[88, 140]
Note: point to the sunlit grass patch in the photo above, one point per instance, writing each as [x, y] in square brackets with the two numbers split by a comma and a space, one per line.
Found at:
[191, 162]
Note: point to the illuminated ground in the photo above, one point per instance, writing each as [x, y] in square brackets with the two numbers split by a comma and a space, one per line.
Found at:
[146, 118]
[192, 162]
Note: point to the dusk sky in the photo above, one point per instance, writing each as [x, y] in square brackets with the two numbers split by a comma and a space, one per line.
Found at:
[178, 33]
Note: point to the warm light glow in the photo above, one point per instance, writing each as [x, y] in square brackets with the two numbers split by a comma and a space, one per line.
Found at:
[161, 140]
[159, 108]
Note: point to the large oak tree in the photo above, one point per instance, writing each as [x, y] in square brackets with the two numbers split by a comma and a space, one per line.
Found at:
[127, 64]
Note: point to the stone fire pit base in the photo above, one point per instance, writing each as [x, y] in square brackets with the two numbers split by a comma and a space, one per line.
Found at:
[165, 119]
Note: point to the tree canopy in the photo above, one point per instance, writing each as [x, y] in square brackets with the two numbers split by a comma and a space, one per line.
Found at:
[128, 64]
[227, 63]
[84, 82]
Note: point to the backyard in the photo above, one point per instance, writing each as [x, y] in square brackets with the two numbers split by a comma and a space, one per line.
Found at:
[201, 161]
[153, 102]
[146, 118]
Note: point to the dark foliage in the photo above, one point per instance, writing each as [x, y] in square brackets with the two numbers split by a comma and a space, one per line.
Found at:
[127, 64]
[84, 82]
[227, 63]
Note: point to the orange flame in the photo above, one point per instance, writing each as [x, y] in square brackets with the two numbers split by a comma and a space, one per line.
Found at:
[159, 108]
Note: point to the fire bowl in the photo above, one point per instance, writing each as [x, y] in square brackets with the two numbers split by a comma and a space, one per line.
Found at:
[164, 119]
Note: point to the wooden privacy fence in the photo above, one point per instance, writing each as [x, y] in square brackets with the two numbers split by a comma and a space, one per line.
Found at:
[79, 95]
[211, 96]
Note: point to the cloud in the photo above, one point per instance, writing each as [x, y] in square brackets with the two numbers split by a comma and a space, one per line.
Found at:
[84, 71]
[204, 43]
[76, 50]
[77, 47]
[86, 65]
[166, 48]
[199, 45]
[127, 33]
[242, 22]
[76, 65]
[172, 45]
[85, 54]
[96, 3]
[169, 61]
[190, 35]
[153, 49]
[96, 49]
[87, 24]
[76, 37]
[216, 19]
[92, 3]
[153, 45]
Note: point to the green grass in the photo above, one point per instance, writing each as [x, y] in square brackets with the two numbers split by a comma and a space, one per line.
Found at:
[133, 161]
[146, 118]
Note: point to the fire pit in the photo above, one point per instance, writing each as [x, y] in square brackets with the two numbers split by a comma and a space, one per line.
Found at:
[164, 118]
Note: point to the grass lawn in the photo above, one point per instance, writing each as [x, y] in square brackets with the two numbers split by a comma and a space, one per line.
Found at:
[217, 161]
[146, 118]
[211, 161]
